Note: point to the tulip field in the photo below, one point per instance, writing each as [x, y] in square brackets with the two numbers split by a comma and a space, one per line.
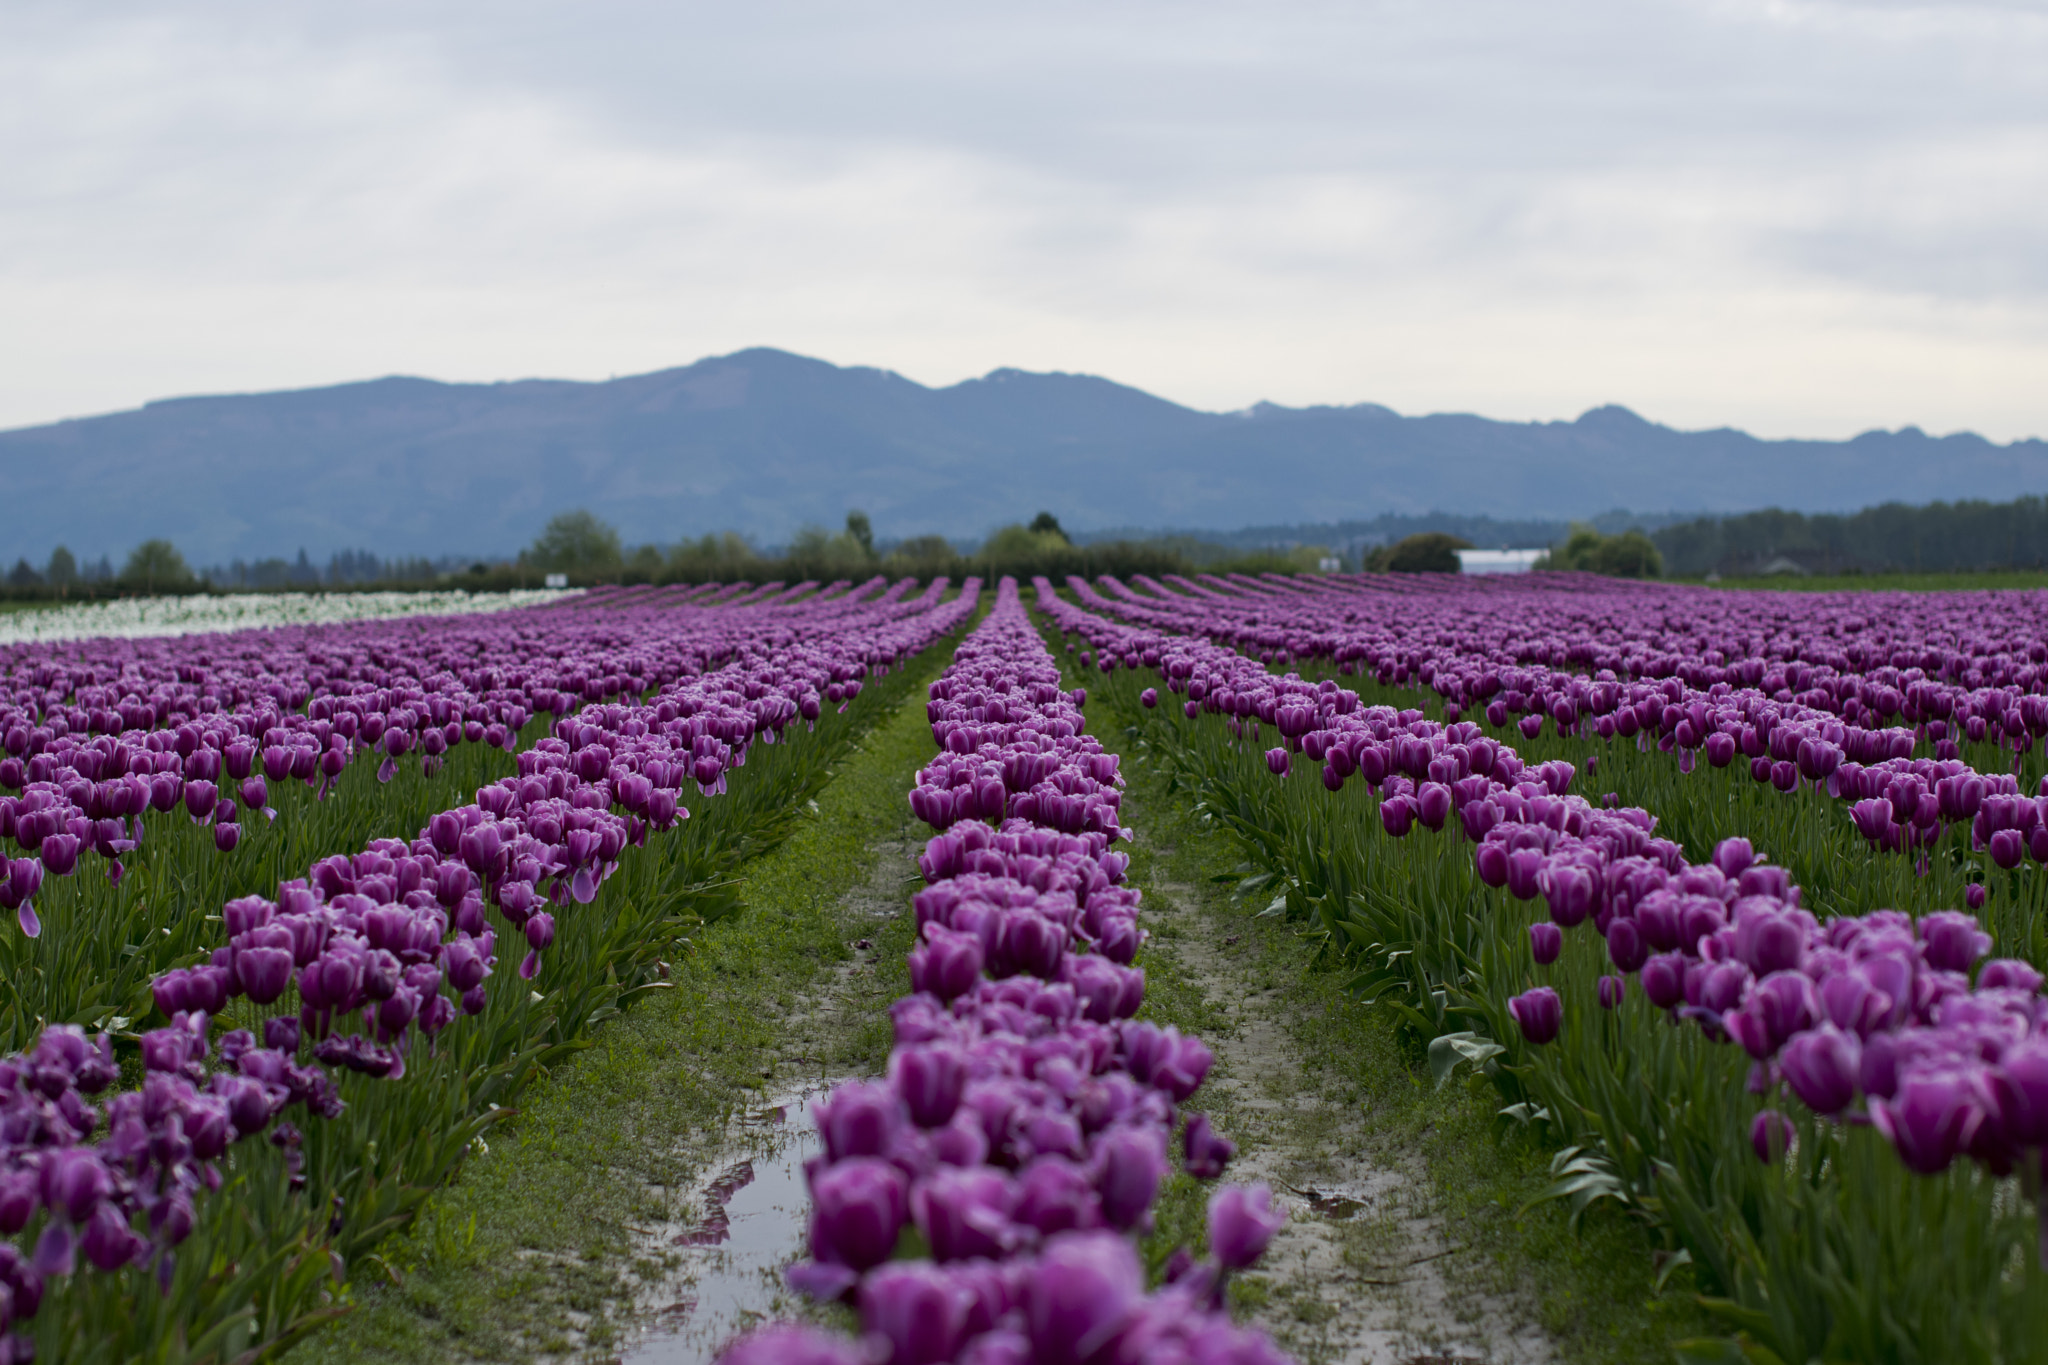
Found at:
[294, 911]
[1734, 902]
[1023, 1129]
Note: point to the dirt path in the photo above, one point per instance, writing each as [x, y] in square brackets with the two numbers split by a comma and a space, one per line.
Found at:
[712, 1266]
[1366, 1269]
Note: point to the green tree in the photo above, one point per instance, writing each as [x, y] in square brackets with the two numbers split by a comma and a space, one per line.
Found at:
[1429, 552]
[814, 553]
[1046, 524]
[1580, 545]
[575, 542]
[711, 556]
[24, 575]
[1016, 549]
[156, 566]
[1628, 555]
[1309, 558]
[63, 570]
[645, 561]
[862, 530]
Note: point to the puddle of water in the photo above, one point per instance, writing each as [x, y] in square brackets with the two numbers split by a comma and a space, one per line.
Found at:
[756, 1214]
[1334, 1205]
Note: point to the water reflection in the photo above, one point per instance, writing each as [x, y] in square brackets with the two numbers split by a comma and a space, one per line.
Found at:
[756, 1208]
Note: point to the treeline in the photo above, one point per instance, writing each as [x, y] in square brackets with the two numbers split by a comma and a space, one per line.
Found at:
[583, 550]
[1942, 537]
[586, 550]
[157, 566]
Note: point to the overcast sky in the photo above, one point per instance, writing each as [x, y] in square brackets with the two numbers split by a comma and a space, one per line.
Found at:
[1802, 219]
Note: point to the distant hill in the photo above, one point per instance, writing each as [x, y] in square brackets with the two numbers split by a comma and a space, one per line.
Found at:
[764, 441]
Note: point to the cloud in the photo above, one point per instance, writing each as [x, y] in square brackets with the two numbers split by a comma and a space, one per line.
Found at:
[1803, 219]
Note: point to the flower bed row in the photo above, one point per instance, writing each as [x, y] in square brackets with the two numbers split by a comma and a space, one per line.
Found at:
[980, 1204]
[1837, 1095]
[141, 764]
[358, 1020]
[1854, 718]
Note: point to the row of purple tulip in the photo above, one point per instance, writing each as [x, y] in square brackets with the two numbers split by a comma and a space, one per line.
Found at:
[373, 954]
[1964, 662]
[1830, 691]
[1022, 1131]
[1874, 1018]
[98, 733]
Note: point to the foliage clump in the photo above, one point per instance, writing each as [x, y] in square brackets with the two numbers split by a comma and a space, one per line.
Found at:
[1428, 552]
[1628, 555]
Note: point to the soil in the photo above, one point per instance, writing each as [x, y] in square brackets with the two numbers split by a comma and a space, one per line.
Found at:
[1367, 1270]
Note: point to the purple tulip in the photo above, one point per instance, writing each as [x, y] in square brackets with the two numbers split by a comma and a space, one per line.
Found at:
[1204, 1152]
[1133, 1163]
[2005, 973]
[1539, 1013]
[1734, 857]
[248, 1102]
[1952, 940]
[264, 974]
[1491, 860]
[109, 1243]
[74, 1181]
[921, 1311]
[200, 798]
[1625, 946]
[1926, 1118]
[947, 964]
[1087, 1286]
[1397, 816]
[1056, 1195]
[929, 1081]
[858, 1207]
[1570, 891]
[859, 1120]
[1770, 1136]
[1663, 980]
[1546, 942]
[1433, 804]
[1611, 990]
[1241, 1224]
[208, 1127]
[786, 1345]
[1821, 1066]
[965, 1213]
[19, 1200]
[2020, 1082]
[2008, 848]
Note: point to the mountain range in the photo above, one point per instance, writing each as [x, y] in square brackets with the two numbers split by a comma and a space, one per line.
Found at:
[763, 441]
